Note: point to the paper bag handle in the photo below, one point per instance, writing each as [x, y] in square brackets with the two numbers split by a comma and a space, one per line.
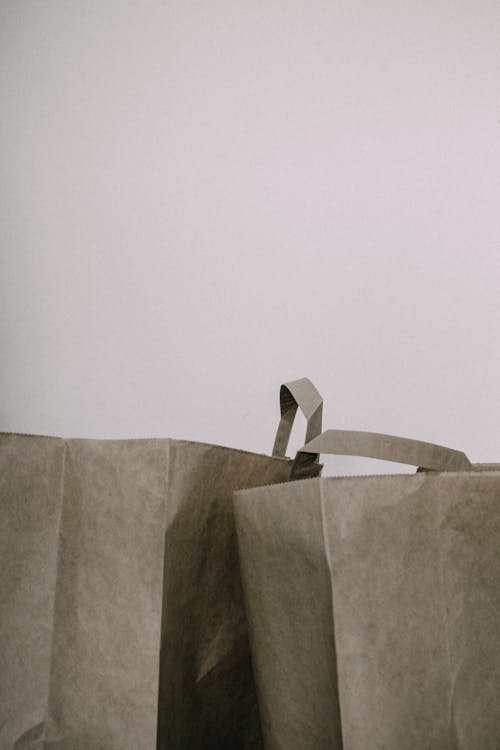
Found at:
[375, 445]
[298, 394]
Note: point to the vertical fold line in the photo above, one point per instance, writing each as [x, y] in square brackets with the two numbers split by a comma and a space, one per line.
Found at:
[332, 607]
[166, 487]
[452, 672]
[48, 716]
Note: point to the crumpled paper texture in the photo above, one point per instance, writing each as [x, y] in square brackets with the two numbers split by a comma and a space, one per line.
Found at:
[122, 624]
[373, 607]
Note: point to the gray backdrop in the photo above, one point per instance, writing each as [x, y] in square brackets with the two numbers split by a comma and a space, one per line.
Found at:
[201, 199]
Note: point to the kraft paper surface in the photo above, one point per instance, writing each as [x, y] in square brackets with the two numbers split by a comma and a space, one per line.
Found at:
[374, 610]
[121, 610]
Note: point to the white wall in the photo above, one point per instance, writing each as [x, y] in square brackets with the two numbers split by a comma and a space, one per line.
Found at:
[199, 200]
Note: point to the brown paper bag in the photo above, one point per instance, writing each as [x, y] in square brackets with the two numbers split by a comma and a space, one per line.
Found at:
[373, 602]
[121, 617]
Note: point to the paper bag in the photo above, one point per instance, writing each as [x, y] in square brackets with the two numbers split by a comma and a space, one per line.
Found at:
[374, 603]
[121, 617]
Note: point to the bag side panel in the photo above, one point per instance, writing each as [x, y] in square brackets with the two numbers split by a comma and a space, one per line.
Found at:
[288, 594]
[415, 570]
[470, 560]
[391, 616]
[207, 697]
[108, 602]
[31, 473]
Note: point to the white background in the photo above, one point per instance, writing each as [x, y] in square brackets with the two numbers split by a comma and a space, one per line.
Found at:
[199, 200]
